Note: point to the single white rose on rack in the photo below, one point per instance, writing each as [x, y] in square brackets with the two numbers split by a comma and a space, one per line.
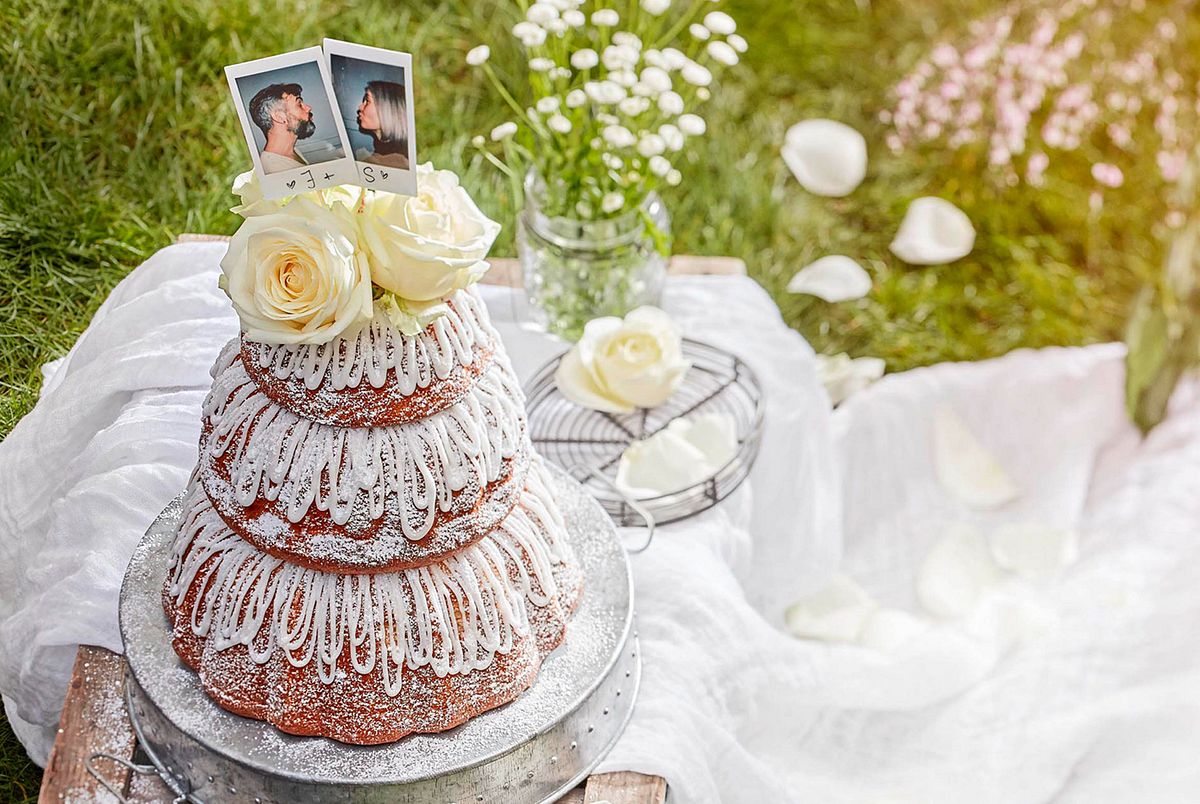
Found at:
[682, 454]
[933, 232]
[424, 247]
[620, 365]
[828, 158]
[297, 275]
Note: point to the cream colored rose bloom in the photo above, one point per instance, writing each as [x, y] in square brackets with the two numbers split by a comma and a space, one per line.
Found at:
[619, 365]
[425, 247]
[297, 275]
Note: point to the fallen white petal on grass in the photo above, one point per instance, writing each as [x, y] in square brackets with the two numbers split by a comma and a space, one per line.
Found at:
[955, 574]
[844, 376]
[828, 158]
[834, 278]
[964, 467]
[835, 614]
[933, 232]
[1033, 551]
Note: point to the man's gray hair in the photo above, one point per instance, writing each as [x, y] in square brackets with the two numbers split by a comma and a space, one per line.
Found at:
[263, 103]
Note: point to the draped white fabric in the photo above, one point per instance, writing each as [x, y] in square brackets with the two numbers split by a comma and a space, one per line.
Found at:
[1100, 703]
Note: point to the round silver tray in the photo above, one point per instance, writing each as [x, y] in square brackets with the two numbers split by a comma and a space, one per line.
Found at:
[533, 749]
[589, 443]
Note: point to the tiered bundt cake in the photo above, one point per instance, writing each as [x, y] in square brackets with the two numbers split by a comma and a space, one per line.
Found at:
[368, 546]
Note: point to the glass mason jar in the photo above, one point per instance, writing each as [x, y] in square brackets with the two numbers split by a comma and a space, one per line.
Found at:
[577, 270]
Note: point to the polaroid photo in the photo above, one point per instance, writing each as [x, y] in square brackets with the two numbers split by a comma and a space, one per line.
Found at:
[291, 123]
[374, 92]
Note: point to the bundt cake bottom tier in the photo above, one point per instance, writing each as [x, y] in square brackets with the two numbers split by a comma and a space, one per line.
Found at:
[355, 707]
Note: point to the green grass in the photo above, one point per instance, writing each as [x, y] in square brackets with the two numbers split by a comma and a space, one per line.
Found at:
[119, 134]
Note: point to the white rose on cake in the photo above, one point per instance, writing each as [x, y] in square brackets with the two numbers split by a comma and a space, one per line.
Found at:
[424, 247]
[623, 364]
[297, 275]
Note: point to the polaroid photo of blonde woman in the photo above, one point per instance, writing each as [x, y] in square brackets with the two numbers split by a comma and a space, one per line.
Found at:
[373, 88]
[291, 123]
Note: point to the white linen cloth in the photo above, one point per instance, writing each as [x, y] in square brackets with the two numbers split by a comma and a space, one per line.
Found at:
[1100, 702]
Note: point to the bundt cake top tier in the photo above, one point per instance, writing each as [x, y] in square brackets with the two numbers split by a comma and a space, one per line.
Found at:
[377, 375]
[366, 498]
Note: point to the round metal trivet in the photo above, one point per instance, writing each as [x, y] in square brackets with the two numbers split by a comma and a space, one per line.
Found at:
[589, 443]
[531, 750]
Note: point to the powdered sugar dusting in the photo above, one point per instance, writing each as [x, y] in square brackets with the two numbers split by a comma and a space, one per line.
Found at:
[364, 571]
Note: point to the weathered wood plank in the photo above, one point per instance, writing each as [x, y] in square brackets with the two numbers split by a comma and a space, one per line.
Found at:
[147, 789]
[94, 720]
[625, 787]
[574, 797]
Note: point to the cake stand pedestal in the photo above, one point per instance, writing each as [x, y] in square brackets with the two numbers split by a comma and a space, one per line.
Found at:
[533, 749]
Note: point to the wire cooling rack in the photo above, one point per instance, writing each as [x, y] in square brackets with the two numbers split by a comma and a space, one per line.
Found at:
[589, 443]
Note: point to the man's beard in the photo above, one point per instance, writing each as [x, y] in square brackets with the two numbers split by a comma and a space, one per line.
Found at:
[304, 129]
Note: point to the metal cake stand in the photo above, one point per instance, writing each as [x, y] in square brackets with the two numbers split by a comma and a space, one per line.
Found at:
[533, 749]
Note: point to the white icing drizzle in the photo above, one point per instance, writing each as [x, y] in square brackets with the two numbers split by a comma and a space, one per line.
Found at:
[302, 463]
[379, 348]
[454, 614]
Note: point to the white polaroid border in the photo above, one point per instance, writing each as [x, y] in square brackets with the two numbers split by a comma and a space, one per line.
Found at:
[306, 177]
[372, 176]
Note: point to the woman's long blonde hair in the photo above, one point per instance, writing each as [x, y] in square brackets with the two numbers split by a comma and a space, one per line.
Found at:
[389, 107]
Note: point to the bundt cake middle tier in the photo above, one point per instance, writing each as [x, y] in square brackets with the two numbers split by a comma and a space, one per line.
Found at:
[366, 498]
[369, 658]
[379, 376]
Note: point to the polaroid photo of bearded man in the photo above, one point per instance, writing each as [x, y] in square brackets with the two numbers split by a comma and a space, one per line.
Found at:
[290, 120]
[374, 92]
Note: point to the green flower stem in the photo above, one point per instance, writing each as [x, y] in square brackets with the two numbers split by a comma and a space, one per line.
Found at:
[685, 19]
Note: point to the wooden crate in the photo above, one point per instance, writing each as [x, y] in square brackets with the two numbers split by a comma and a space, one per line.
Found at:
[95, 720]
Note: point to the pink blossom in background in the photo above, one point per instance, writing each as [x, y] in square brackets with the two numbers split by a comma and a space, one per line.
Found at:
[1096, 77]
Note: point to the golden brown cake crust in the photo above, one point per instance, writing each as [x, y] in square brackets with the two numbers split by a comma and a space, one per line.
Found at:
[348, 704]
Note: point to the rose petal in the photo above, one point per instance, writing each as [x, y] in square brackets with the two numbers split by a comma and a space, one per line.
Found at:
[933, 232]
[577, 385]
[1034, 551]
[955, 574]
[835, 614]
[889, 629]
[664, 463]
[844, 376]
[834, 278]
[828, 158]
[964, 467]
[714, 434]
[685, 452]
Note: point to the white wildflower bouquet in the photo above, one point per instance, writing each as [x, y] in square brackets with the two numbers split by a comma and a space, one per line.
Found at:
[606, 100]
